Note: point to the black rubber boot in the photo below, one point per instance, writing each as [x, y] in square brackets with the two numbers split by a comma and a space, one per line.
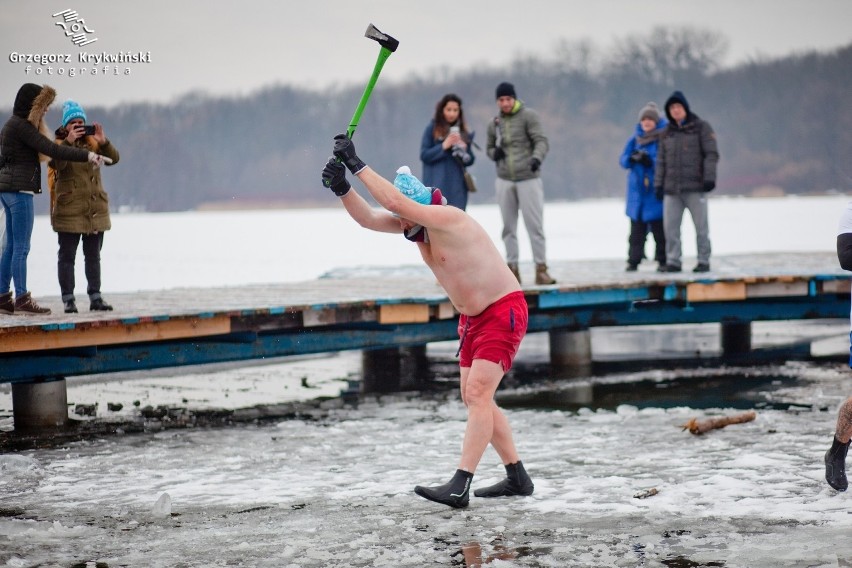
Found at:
[455, 493]
[835, 465]
[517, 482]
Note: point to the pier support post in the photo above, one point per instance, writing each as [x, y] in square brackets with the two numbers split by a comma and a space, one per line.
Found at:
[736, 337]
[393, 369]
[571, 351]
[40, 404]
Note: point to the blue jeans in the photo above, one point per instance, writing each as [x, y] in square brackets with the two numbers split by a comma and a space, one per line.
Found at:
[19, 228]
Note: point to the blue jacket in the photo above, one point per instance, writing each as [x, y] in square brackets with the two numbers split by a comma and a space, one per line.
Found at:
[642, 204]
[442, 170]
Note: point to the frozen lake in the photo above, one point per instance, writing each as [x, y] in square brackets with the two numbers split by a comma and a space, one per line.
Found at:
[334, 486]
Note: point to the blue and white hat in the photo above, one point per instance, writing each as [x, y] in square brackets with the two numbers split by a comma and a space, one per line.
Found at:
[412, 187]
[70, 111]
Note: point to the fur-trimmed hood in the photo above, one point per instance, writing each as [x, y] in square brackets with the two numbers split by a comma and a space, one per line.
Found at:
[31, 103]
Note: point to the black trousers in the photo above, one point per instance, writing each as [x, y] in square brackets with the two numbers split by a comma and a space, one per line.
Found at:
[92, 245]
[638, 234]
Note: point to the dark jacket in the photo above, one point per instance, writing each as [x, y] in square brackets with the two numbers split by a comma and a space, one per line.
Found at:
[24, 137]
[687, 156]
[521, 136]
[442, 170]
[78, 202]
[641, 203]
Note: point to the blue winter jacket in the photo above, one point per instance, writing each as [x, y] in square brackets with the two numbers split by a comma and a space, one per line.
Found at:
[442, 170]
[642, 204]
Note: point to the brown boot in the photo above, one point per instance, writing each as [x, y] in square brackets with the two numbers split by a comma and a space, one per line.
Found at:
[515, 271]
[541, 275]
[7, 305]
[27, 306]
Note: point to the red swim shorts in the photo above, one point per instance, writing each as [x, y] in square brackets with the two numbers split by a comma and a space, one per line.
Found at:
[496, 333]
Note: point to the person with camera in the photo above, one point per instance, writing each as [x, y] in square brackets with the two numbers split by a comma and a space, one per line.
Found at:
[24, 144]
[445, 151]
[644, 209]
[79, 206]
[686, 172]
[482, 289]
[518, 146]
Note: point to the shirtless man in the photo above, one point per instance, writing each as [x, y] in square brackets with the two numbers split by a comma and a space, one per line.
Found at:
[835, 457]
[481, 287]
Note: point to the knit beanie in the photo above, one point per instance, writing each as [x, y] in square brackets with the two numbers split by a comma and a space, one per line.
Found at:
[70, 111]
[651, 111]
[412, 187]
[505, 90]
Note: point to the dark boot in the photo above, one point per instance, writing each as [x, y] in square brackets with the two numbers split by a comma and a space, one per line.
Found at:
[27, 306]
[835, 465]
[455, 493]
[541, 275]
[517, 482]
[516, 271]
[70, 306]
[7, 304]
[98, 305]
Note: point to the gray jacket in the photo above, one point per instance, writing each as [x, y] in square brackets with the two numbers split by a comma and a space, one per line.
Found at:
[522, 138]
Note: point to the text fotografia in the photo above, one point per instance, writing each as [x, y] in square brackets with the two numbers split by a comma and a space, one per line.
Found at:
[83, 63]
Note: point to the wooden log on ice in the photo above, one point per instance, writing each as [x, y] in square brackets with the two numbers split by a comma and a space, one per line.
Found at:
[697, 427]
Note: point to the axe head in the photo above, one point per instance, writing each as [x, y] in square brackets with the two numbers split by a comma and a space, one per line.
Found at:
[384, 40]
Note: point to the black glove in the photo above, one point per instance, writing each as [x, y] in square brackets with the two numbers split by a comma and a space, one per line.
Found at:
[641, 157]
[344, 150]
[499, 154]
[709, 185]
[334, 177]
[535, 164]
[658, 193]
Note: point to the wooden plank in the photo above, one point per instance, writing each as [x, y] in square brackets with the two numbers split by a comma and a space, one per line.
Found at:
[715, 291]
[34, 339]
[403, 313]
[777, 289]
[836, 286]
[446, 310]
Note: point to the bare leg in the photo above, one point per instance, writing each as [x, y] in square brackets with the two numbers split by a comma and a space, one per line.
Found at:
[485, 423]
[843, 431]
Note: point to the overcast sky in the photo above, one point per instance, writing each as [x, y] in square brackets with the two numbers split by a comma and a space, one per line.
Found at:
[229, 48]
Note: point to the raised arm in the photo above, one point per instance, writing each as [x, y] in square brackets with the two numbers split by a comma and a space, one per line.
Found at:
[334, 178]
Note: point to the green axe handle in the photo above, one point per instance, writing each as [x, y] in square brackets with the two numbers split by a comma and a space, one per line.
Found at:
[384, 53]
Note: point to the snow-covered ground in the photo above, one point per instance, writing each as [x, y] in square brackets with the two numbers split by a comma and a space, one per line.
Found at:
[336, 490]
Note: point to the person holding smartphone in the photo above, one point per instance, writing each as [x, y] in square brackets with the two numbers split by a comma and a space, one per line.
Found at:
[445, 150]
[79, 206]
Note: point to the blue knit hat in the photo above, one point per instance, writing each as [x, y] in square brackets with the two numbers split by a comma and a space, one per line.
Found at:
[70, 111]
[412, 187]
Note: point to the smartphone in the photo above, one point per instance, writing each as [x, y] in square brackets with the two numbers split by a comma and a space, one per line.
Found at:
[89, 129]
[454, 129]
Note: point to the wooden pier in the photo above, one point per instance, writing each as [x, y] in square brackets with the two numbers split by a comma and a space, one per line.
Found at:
[388, 311]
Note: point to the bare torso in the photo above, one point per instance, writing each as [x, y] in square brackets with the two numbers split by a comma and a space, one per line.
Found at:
[468, 265]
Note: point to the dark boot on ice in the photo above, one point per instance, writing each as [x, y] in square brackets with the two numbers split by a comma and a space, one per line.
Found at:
[835, 465]
[542, 277]
[98, 305]
[517, 482]
[455, 493]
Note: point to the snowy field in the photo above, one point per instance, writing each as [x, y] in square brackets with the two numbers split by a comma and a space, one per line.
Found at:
[336, 489]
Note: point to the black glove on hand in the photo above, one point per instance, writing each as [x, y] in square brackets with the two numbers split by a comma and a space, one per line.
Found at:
[659, 193]
[535, 164]
[334, 177]
[641, 157]
[344, 150]
[499, 154]
[709, 185]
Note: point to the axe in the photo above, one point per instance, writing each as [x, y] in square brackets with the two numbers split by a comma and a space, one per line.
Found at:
[389, 45]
